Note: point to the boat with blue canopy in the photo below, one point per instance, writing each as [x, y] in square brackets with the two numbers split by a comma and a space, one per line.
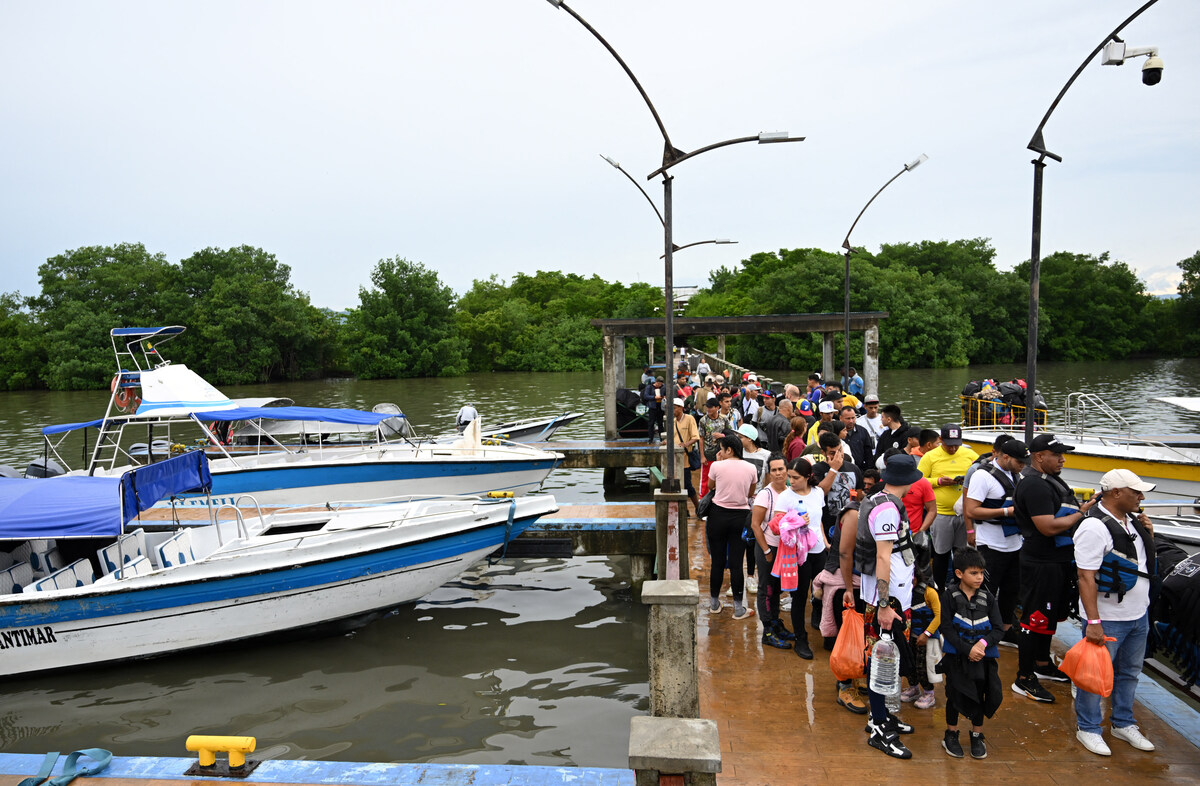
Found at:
[158, 409]
[79, 587]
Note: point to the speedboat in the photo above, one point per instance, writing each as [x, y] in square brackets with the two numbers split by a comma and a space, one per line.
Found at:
[1172, 462]
[166, 587]
[170, 407]
[528, 430]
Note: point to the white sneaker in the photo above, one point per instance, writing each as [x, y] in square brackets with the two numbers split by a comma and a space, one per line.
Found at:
[1093, 742]
[786, 603]
[1133, 735]
[751, 585]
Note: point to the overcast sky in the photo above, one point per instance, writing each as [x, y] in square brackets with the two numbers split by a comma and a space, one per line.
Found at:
[464, 134]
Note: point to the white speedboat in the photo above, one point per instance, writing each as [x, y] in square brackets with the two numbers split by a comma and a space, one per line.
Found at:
[169, 407]
[151, 592]
[1172, 462]
[527, 430]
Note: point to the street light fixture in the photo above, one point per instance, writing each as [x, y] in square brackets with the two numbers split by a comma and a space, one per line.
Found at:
[621, 169]
[910, 166]
[1115, 53]
[671, 156]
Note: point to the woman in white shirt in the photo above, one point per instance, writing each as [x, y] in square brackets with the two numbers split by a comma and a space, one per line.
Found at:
[766, 503]
[804, 494]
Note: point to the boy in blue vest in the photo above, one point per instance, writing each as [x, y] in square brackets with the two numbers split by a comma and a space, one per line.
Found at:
[971, 628]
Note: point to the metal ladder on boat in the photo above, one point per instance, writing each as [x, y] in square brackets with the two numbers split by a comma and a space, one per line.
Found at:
[1080, 405]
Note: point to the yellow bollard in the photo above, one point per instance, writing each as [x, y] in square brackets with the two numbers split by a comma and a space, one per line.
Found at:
[500, 494]
[208, 745]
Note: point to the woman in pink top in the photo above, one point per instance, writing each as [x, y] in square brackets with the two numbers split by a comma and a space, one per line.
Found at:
[733, 481]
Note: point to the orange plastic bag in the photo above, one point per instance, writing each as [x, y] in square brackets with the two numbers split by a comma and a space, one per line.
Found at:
[1090, 667]
[847, 661]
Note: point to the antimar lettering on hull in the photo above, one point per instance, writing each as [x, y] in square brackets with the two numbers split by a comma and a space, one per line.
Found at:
[27, 637]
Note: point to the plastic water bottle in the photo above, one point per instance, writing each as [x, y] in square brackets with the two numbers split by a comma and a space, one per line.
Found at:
[885, 669]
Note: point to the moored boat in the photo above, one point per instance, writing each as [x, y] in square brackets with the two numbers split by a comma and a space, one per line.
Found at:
[157, 590]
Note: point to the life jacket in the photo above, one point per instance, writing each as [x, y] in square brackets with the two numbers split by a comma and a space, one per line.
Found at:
[970, 621]
[1119, 570]
[1008, 524]
[864, 543]
[1066, 506]
[920, 615]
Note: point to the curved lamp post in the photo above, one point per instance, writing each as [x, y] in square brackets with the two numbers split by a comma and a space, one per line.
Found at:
[1115, 53]
[621, 169]
[671, 156]
[911, 165]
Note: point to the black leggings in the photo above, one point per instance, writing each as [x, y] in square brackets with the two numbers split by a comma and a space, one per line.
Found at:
[724, 533]
[952, 710]
[1003, 580]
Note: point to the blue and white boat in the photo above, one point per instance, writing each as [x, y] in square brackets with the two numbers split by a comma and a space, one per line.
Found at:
[162, 588]
[169, 408]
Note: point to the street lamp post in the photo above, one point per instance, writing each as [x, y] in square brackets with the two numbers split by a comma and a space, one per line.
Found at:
[911, 165]
[671, 157]
[1115, 53]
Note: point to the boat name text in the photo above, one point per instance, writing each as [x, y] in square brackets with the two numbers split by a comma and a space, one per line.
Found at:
[27, 637]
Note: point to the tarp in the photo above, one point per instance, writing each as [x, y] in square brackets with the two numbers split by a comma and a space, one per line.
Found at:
[86, 507]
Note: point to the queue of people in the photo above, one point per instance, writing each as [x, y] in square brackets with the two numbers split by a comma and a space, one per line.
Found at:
[850, 505]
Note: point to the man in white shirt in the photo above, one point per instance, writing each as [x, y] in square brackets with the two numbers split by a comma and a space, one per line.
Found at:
[987, 505]
[1114, 554]
[872, 421]
[465, 416]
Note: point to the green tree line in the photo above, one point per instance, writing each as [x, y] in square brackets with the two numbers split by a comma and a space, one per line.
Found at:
[948, 305]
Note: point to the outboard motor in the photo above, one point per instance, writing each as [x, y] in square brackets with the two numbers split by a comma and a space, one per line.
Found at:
[44, 468]
[8, 472]
[393, 427]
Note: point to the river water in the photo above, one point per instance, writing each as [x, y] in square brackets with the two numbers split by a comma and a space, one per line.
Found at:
[537, 661]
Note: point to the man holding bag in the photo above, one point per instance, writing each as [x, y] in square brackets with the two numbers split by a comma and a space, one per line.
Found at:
[1114, 552]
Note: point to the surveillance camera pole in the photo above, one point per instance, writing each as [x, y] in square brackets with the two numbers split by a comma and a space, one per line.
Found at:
[671, 157]
[1037, 145]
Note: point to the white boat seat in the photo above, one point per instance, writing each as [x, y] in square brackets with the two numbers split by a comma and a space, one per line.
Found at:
[135, 567]
[77, 574]
[44, 557]
[15, 578]
[176, 550]
[6, 560]
[128, 547]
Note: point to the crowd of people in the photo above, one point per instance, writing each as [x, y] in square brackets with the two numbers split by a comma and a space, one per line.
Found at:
[824, 492]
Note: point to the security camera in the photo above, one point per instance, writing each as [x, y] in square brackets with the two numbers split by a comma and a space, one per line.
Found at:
[1152, 70]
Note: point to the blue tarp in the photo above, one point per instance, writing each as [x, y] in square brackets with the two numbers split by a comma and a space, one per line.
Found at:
[355, 417]
[87, 507]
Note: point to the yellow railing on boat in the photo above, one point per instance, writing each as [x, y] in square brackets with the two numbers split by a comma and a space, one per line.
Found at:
[993, 413]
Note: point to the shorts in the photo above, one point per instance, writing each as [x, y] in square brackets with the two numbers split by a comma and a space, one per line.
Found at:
[1049, 593]
[948, 533]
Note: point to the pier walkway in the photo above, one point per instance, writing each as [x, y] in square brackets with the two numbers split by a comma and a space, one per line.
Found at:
[779, 722]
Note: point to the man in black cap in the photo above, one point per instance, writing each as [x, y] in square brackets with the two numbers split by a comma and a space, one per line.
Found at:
[1046, 513]
[988, 512]
[946, 467]
[652, 397]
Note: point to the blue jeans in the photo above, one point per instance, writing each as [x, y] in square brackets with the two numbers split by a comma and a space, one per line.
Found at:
[1128, 652]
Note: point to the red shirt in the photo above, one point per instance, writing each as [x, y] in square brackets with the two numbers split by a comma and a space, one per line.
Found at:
[918, 494]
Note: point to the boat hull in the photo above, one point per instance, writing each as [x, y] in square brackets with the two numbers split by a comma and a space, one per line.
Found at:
[208, 604]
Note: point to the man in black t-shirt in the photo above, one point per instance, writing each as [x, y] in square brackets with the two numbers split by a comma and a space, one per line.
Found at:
[838, 477]
[1046, 512]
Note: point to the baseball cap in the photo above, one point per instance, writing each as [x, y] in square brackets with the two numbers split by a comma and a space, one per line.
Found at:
[766, 393]
[1124, 479]
[951, 434]
[827, 407]
[871, 399]
[1015, 448]
[752, 386]
[805, 406]
[752, 377]
[679, 402]
[748, 431]
[1049, 442]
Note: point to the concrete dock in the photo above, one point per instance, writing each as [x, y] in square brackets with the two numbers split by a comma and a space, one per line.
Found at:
[779, 721]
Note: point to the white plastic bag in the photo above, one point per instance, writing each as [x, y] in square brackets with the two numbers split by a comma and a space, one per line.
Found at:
[933, 656]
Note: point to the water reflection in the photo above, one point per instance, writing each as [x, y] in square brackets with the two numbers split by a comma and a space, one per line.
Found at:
[537, 661]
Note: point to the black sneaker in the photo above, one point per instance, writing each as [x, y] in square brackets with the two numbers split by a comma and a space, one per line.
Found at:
[889, 742]
[782, 632]
[890, 724]
[815, 618]
[1029, 686]
[802, 649]
[1010, 638]
[978, 746]
[951, 744]
[772, 639]
[1051, 672]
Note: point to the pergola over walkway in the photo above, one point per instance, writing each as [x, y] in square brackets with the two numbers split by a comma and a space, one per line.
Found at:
[615, 331]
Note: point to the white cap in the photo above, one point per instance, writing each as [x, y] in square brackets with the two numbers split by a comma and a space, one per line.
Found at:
[679, 402]
[827, 406]
[752, 378]
[752, 386]
[1124, 479]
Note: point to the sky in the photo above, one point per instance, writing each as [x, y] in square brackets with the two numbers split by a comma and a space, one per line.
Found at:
[466, 134]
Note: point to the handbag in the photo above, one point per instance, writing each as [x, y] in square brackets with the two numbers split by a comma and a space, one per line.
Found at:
[848, 659]
[694, 457]
[705, 504]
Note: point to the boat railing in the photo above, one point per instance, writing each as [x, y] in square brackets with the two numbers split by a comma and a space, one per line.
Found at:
[995, 414]
[1081, 404]
[242, 529]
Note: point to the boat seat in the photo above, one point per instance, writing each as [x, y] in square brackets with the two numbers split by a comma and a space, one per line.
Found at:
[77, 574]
[15, 578]
[128, 547]
[176, 550]
[44, 557]
[6, 560]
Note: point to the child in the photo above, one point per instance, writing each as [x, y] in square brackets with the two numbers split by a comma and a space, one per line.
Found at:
[971, 629]
[924, 621]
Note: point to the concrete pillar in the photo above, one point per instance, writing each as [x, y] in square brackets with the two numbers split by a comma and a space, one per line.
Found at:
[650, 351]
[871, 361]
[721, 347]
[827, 340]
[671, 532]
[671, 640]
[685, 747]
[619, 363]
[611, 378]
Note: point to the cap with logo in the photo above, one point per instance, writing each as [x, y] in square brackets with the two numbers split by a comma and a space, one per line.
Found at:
[952, 434]
[1015, 448]
[871, 399]
[805, 406]
[1049, 442]
[827, 408]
